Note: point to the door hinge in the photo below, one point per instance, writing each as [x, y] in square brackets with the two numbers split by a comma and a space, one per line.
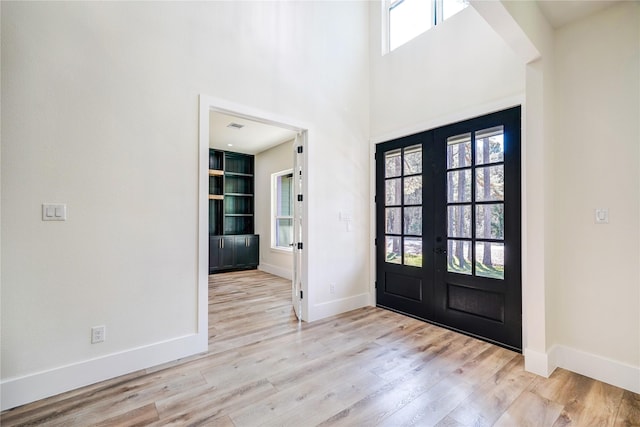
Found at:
[301, 295]
[299, 197]
[375, 242]
[375, 199]
[299, 149]
[376, 284]
[299, 245]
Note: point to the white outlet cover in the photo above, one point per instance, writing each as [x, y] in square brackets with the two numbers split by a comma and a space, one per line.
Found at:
[601, 215]
[97, 334]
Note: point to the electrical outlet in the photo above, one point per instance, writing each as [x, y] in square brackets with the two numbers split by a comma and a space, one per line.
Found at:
[602, 215]
[97, 334]
[332, 288]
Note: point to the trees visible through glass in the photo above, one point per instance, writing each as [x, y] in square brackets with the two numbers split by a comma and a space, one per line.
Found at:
[403, 206]
[475, 212]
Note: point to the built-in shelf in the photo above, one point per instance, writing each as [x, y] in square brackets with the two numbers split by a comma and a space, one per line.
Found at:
[232, 244]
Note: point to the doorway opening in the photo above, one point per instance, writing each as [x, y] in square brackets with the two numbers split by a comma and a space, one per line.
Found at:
[449, 227]
[239, 131]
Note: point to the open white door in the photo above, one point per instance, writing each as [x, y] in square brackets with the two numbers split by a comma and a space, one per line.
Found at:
[298, 176]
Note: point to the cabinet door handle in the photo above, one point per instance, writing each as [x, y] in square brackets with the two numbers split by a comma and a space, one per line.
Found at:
[221, 243]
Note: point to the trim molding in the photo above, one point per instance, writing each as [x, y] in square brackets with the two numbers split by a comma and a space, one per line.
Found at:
[537, 363]
[597, 367]
[285, 273]
[209, 103]
[29, 388]
[447, 119]
[338, 306]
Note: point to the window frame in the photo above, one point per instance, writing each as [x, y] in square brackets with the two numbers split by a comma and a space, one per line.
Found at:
[437, 14]
[275, 191]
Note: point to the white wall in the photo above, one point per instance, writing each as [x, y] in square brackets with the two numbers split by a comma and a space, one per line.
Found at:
[585, 93]
[454, 71]
[457, 70]
[580, 305]
[100, 111]
[595, 275]
[276, 159]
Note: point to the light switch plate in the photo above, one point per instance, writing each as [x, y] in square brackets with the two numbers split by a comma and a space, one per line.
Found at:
[345, 216]
[602, 216]
[54, 212]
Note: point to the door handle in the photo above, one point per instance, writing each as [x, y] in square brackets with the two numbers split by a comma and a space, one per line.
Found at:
[440, 251]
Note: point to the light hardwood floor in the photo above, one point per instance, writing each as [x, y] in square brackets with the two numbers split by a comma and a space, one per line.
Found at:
[363, 368]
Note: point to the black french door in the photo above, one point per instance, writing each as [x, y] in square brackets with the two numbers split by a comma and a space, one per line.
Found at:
[448, 228]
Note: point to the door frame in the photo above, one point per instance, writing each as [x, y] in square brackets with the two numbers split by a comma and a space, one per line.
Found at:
[426, 297]
[508, 331]
[299, 173]
[206, 104]
[529, 287]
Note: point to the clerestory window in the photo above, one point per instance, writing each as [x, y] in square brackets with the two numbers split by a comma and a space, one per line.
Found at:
[406, 19]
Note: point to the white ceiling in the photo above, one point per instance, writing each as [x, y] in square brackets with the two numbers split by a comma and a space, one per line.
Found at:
[253, 138]
[561, 12]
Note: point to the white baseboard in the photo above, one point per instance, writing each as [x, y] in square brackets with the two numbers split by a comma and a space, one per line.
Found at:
[597, 367]
[331, 308]
[285, 273]
[537, 363]
[29, 388]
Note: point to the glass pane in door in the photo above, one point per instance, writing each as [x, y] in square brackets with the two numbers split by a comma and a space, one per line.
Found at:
[459, 256]
[459, 186]
[490, 221]
[413, 160]
[413, 190]
[392, 192]
[490, 145]
[403, 206]
[393, 163]
[393, 221]
[392, 250]
[413, 220]
[459, 221]
[490, 183]
[490, 260]
[459, 151]
[413, 251]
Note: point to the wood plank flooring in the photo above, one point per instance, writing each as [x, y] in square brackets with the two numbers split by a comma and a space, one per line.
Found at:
[367, 367]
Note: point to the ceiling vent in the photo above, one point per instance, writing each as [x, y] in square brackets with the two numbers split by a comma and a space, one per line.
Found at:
[235, 125]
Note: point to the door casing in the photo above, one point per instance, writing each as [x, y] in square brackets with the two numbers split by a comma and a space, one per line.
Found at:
[433, 311]
[206, 104]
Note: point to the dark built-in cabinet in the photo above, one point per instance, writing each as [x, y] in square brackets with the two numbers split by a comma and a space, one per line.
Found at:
[232, 244]
[233, 252]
